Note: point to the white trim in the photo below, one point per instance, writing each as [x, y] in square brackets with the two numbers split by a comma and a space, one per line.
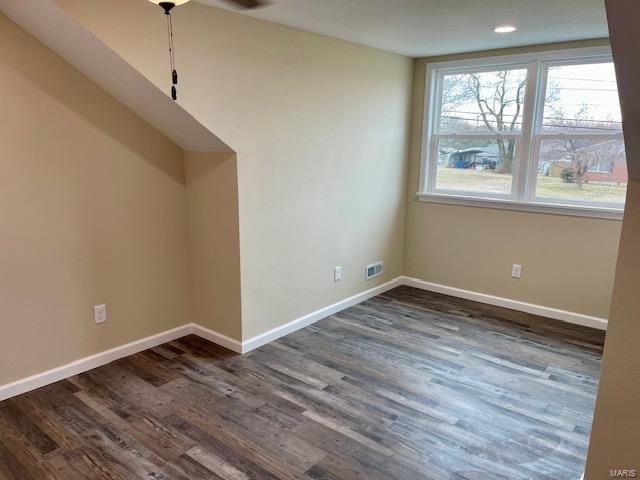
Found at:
[479, 135]
[102, 358]
[549, 312]
[294, 325]
[93, 361]
[586, 54]
[564, 135]
[217, 338]
[533, 110]
[313, 317]
[535, 207]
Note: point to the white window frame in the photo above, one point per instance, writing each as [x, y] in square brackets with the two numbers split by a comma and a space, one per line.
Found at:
[528, 140]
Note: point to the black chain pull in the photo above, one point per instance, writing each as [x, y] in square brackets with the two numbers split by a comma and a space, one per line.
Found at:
[172, 58]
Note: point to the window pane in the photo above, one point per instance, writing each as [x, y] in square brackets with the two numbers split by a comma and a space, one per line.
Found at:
[582, 98]
[586, 170]
[473, 165]
[483, 101]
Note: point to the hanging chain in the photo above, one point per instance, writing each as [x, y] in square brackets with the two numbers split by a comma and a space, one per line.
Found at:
[172, 58]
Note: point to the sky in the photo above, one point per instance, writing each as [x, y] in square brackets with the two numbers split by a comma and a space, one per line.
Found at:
[594, 84]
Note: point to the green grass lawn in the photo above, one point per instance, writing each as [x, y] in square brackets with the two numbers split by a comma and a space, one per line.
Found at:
[548, 187]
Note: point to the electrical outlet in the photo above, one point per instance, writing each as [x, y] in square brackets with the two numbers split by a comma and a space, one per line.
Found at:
[337, 274]
[516, 271]
[100, 313]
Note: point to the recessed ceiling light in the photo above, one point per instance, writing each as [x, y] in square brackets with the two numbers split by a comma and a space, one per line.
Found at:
[505, 29]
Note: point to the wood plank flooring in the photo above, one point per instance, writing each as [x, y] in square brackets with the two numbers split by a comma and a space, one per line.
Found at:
[407, 385]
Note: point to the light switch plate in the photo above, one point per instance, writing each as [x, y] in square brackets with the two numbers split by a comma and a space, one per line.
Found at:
[100, 313]
[516, 271]
[337, 274]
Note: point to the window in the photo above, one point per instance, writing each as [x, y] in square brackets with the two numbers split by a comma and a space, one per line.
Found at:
[538, 132]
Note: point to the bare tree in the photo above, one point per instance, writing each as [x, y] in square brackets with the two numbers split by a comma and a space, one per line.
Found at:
[499, 98]
[455, 92]
[500, 110]
[584, 155]
[496, 99]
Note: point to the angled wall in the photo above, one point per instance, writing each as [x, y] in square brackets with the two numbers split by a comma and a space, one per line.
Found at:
[92, 211]
[214, 241]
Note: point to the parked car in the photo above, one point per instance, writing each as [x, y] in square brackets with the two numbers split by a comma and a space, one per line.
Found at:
[473, 158]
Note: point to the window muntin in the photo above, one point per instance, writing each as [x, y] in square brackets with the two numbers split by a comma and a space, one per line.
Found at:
[495, 126]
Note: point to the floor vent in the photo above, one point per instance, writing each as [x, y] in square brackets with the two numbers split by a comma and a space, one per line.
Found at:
[373, 270]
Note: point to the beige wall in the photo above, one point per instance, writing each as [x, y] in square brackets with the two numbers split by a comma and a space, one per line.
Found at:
[569, 262]
[615, 438]
[93, 205]
[214, 244]
[92, 211]
[320, 128]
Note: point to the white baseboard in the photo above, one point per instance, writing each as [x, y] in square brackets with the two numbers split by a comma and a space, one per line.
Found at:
[557, 314]
[87, 363]
[82, 365]
[217, 338]
[313, 317]
[102, 358]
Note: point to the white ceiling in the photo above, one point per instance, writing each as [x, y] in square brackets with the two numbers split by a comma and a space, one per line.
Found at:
[421, 28]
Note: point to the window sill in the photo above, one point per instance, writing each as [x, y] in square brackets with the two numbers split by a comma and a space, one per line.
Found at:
[535, 207]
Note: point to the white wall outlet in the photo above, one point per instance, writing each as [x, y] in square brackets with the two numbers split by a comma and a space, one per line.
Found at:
[337, 274]
[516, 271]
[100, 313]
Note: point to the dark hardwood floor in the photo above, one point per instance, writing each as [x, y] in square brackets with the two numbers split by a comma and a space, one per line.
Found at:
[407, 385]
